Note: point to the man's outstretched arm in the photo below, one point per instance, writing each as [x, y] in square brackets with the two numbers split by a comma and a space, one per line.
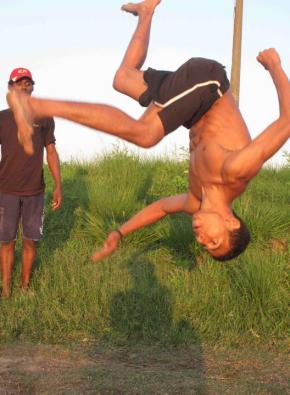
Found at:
[147, 216]
[247, 162]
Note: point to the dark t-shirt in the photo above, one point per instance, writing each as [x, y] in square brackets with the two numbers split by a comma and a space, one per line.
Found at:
[21, 174]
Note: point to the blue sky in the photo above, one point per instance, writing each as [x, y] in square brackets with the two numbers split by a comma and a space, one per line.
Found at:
[73, 48]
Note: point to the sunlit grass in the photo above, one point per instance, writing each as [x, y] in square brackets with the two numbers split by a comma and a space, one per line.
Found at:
[159, 287]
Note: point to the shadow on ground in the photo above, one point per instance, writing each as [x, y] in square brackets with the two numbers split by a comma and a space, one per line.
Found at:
[143, 314]
[43, 369]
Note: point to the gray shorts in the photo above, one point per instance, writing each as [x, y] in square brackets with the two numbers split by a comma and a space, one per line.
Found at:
[26, 210]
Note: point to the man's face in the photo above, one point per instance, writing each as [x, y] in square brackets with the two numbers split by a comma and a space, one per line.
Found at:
[212, 232]
[25, 85]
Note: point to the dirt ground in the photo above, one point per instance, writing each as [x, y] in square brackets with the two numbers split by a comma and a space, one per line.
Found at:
[44, 369]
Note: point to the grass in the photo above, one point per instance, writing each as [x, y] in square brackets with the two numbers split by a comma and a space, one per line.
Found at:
[159, 287]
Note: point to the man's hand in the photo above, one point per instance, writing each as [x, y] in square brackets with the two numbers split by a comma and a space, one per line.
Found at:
[56, 199]
[110, 245]
[269, 58]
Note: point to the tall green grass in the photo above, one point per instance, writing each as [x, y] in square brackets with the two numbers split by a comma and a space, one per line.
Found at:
[159, 287]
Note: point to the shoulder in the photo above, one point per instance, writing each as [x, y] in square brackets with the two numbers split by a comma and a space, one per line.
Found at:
[235, 181]
[6, 114]
[192, 203]
[7, 121]
[231, 173]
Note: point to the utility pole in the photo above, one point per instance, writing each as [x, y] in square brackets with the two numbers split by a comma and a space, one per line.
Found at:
[237, 50]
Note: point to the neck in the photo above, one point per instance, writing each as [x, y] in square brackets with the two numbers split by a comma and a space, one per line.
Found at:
[214, 199]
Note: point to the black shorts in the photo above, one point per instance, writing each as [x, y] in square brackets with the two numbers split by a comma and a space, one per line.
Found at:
[186, 94]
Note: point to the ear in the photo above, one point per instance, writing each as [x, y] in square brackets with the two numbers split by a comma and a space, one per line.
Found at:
[217, 243]
[233, 223]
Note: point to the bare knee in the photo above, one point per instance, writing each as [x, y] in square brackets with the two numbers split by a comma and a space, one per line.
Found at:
[119, 81]
[150, 137]
[149, 142]
[29, 245]
[8, 246]
[151, 128]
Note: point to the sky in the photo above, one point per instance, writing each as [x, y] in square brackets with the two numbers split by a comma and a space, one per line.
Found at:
[74, 47]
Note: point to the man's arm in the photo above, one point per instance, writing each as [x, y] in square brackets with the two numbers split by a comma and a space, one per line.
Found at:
[247, 162]
[147, 216]
[54, 167]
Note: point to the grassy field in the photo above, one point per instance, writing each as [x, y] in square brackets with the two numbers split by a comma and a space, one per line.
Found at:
[159, 288]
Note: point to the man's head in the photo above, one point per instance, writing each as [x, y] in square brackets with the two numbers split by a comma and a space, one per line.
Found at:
[223, 238]
[21, 78]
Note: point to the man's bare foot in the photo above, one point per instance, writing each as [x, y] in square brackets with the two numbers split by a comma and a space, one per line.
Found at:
[18, 102]
[137, 8]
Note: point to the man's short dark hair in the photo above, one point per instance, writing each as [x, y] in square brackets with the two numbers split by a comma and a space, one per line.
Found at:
[239, 240]
[10, 82]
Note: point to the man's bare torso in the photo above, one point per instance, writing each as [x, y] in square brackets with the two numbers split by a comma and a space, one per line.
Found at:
[220, 132]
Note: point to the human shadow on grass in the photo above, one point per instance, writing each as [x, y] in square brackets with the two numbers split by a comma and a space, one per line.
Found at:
[143, 314]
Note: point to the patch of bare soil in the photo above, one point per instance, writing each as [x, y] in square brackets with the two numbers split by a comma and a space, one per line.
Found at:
[44, 369]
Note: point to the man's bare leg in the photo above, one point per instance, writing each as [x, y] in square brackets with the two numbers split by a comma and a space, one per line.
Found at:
[145, 132]
[28, 258]
[129, 78]
[7, 254]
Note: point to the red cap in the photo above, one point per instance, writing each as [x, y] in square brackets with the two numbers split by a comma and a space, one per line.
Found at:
[19, 73]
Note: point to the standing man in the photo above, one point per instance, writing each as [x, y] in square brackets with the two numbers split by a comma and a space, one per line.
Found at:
[22, 185]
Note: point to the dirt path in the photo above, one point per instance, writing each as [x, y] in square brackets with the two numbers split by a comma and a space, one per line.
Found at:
[43, 369]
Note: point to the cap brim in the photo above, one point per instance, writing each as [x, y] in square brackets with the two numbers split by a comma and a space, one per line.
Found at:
[22, 78]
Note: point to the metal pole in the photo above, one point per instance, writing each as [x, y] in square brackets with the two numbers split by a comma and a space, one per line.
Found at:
[236, 54]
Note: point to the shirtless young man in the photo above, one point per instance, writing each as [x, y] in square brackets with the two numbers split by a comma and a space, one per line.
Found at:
[223, 158]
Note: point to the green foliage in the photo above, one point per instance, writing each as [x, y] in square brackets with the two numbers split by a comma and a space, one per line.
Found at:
[159, 287]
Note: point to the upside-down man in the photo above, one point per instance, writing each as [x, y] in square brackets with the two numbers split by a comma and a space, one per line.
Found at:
[223, 156]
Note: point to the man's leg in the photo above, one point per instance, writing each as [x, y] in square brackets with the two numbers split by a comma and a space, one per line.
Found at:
[7, 254]
[129, 78]
[9, 219]
[32, 212]
[145, 132]
[28, 258]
